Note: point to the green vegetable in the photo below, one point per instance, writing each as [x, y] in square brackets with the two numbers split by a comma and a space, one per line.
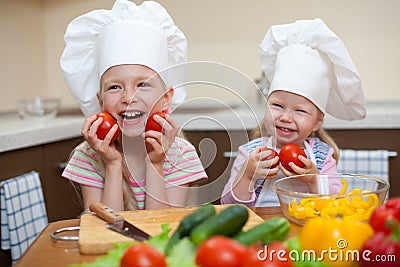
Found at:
[160, 241]
[275, 229]
[111, 259]
[188, 223]
[228, 222]
[182, 254]
[293, 244]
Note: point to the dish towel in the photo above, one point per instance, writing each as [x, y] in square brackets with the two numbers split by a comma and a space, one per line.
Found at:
[23, 213]
[367, 162]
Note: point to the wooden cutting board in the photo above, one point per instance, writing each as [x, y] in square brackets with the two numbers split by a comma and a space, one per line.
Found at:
[96, 238]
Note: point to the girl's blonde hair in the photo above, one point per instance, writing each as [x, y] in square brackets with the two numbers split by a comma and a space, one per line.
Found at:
[320, 133]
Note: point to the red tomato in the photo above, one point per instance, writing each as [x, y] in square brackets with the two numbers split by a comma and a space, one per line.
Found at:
[106, 125]
[290, 153]
[143, 255]
[390, 211]
[220, 251]
[273, 155]
[274, 254]
[151, 124]
[381, 246]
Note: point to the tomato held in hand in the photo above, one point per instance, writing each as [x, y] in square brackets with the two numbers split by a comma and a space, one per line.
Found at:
[290, 153]
[143, 255]
[151, 124]
[106, 125]
[220, 251]
[272, 156]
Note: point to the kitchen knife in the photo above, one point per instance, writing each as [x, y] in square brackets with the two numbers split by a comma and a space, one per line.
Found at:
[117, 223]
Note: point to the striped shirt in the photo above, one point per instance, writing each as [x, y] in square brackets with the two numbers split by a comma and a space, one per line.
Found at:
[181, 166]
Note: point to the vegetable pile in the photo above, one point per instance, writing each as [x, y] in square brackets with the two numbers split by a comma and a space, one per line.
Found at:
[205, 238]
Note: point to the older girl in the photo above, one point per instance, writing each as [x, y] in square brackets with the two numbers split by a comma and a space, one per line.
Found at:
[122, 61]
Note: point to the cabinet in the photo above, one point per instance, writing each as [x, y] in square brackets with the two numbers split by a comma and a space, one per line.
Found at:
[213, 148]
[213, 145]
[62, 202]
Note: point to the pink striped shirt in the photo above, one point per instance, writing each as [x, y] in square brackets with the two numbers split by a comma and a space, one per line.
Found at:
[181, 166]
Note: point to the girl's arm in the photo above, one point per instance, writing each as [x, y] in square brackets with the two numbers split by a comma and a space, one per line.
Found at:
[228, 195]
[156, 192]
[253, 166]
[157, 145]
[112, 194]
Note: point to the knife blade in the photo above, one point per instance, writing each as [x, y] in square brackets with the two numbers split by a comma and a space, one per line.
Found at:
[117, 222]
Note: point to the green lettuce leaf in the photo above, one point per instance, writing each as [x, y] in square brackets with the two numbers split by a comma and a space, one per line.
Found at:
[111, 259]
[160, 241]
[182, 254]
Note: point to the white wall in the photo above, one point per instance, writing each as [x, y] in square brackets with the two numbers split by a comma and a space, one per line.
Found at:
[225, 31]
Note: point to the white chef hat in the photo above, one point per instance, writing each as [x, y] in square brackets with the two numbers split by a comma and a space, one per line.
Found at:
[308, 59]
[126, 34]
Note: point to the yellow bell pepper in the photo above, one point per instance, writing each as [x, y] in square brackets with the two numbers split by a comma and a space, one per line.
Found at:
[336, 242]
[351, 206]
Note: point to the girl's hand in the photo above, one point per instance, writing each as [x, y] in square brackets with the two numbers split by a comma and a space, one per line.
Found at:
[158, 143]
[257, 166]
[309, 167]
[105, 148]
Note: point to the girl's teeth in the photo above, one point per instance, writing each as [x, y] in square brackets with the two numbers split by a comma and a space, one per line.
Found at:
[132, 115]
[286, 130]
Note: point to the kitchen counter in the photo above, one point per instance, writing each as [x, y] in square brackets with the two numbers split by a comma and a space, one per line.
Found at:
[16, 133]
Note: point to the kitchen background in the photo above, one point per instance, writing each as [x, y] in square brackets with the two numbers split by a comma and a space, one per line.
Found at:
[225, 31]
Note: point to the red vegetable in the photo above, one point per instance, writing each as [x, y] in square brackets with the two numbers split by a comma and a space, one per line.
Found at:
[381, 215]
[106, 125]
[381, 250]
[275, 254]
[272, 156]
[290, 153]
[151, 124]
[220, 251]
[143, 255]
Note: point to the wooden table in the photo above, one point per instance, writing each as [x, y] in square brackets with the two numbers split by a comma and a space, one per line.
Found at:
[46, 252]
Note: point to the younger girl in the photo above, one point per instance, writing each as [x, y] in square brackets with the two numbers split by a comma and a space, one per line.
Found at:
[309, 73]
[116, 61]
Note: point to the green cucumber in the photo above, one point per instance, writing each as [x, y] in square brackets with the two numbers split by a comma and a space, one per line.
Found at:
[274, 229]
[228, 222]
[188, 223]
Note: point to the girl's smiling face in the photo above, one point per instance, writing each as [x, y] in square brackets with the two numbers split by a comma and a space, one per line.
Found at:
[130, 93]
[291, 118]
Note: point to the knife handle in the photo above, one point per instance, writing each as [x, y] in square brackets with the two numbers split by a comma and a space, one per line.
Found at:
[105, 213]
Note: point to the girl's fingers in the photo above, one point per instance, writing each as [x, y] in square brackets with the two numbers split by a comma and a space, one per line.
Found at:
[111, 133]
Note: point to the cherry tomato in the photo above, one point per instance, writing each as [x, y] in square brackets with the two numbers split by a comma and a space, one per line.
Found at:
[220, 251]
[151, 124]
[274, 254]
[272, 156]
[106, 125]
[143, 255]
[290, 153]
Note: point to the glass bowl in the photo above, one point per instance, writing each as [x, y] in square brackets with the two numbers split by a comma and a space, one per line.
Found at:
[38, 108]
[352, 197]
